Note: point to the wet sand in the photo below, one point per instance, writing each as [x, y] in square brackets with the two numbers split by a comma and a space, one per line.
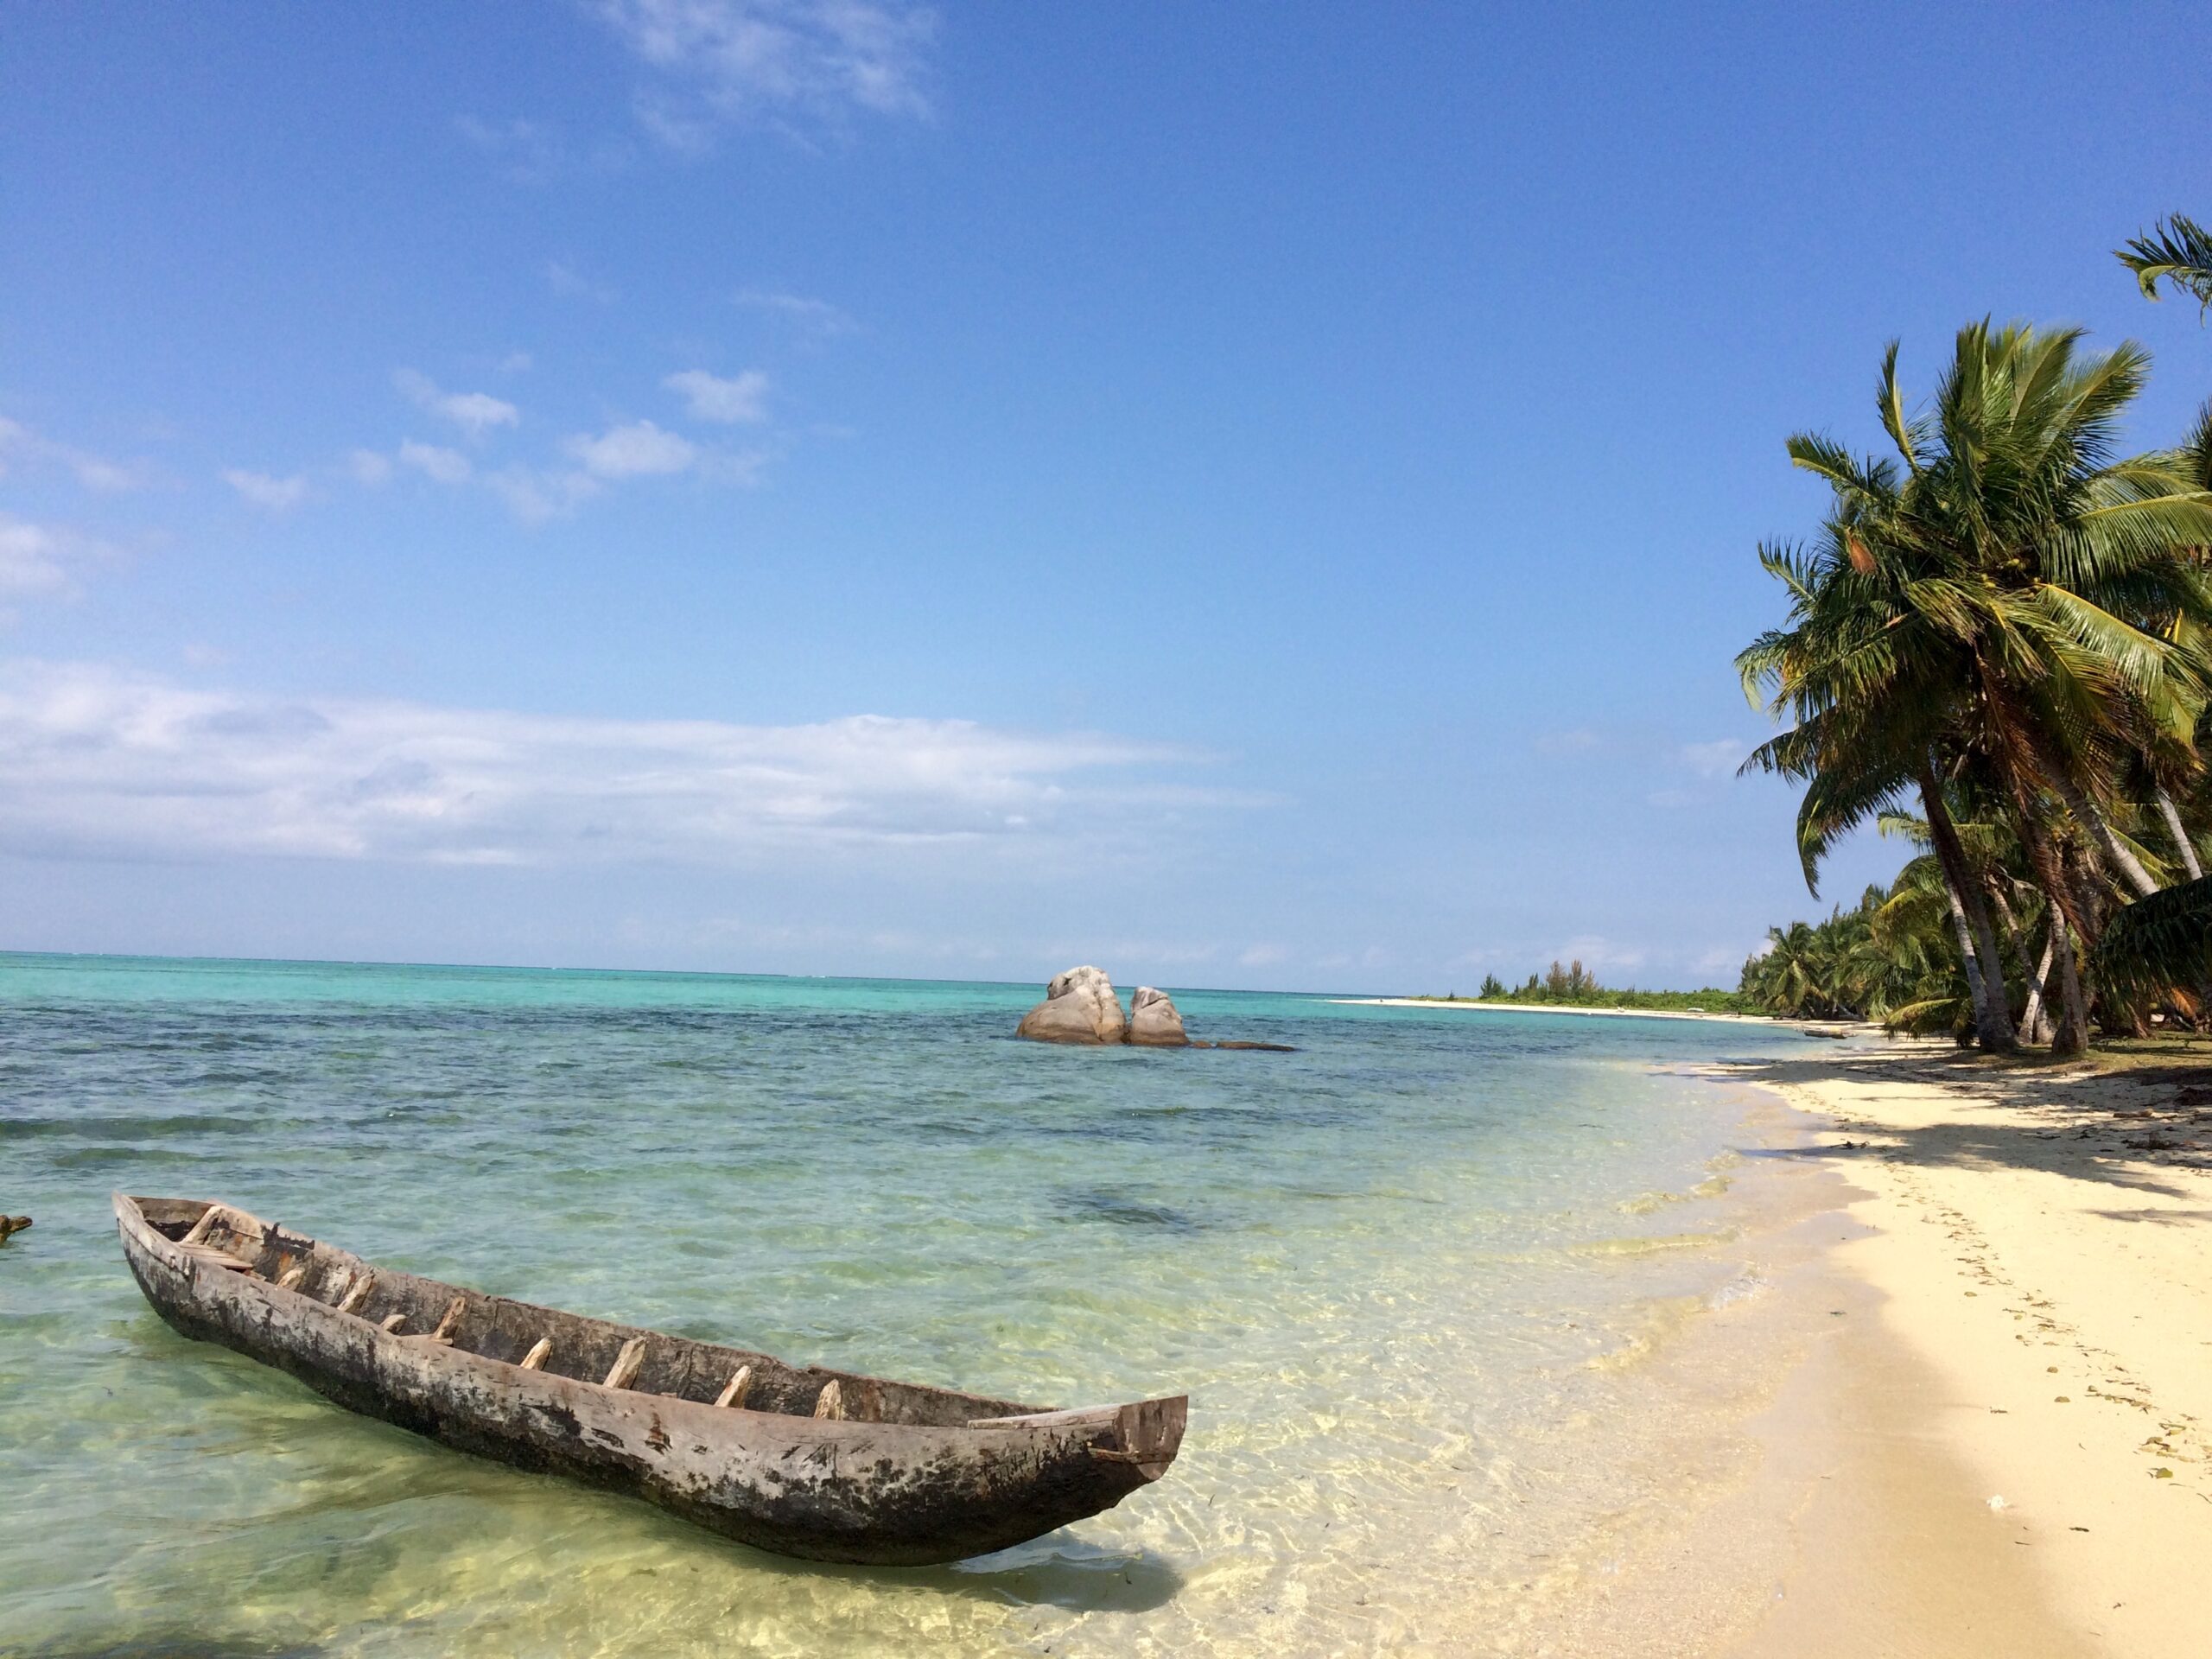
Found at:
[1972, 1411]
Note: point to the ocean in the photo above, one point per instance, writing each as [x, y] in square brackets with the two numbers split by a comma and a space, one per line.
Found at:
[1409, 1275]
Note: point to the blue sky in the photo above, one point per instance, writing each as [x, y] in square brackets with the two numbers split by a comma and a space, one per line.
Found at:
[1254, 495]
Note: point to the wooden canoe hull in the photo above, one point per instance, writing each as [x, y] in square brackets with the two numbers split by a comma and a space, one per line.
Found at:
[921, 1482]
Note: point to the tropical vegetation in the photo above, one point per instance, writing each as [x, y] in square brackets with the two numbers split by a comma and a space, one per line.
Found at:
[1998, 645]
[1575, 986]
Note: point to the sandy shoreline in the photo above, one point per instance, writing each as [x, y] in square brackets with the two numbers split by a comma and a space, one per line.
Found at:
[1989, 1422]
[1835, 1027]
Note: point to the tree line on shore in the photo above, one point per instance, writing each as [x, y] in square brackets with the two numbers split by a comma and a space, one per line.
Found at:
[1574, 986]
[1999, 647]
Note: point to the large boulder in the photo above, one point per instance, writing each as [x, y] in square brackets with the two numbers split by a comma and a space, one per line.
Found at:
[1154, 1021]
[1079, 1007]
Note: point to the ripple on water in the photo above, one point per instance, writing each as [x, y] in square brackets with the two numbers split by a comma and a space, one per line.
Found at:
[1382, 1268]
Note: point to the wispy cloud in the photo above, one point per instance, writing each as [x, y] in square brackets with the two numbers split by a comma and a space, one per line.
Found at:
[443, 466]
[789, 62]
[474, 412]
[529, 149]
[20, 446]
[270, 493]
[635, 450]
[34, 560]
[98, 762]
[741, 399]
[799, 311]
[367, 467]
[570, 283]
[1579, 740]
[1717, 759]
[535, 495]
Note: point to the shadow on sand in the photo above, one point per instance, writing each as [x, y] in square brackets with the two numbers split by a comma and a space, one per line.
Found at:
[2110, 1126]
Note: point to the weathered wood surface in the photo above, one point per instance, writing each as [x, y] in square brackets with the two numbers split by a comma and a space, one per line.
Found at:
[727, 1438]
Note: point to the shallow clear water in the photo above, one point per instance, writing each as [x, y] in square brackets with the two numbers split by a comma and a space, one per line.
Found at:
[1399, 1272]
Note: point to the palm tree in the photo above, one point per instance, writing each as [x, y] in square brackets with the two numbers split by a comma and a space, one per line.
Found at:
[2178, 249]
[2004, 598]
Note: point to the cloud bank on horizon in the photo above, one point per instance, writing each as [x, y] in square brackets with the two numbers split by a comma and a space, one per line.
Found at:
[97, 762]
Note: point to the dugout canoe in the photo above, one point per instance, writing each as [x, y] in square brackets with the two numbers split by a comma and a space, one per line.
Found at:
[825, 1465]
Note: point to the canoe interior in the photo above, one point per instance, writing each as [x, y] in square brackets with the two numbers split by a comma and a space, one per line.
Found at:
[583, 1349]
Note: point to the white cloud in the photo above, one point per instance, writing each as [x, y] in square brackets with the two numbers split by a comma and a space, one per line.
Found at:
[96, 473]
[475, 412]
[531, 152]
[635, 451]
[516, 363]
[368, 467]
[534, 497]
[445, 466]
[742, 399]
[571, 284]
[31, 560]
[269, 494]
[99, 762]
[807, 314]
[1718, 759]
[1579, 740]
[1595, 951]
[777, 59]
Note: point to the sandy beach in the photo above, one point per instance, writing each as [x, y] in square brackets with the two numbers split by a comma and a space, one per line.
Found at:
[1989, 1377]
[1832, 1027]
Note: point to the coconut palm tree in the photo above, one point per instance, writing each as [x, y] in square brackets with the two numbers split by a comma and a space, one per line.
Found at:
[2004, 597]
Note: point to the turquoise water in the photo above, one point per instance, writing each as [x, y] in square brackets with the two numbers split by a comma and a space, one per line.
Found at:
[1398, 1272]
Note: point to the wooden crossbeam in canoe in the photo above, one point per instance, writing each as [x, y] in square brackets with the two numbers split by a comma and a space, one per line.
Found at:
[210, 1256]
[534, 1359]
[626, 1364]
[739, 1386]
[453, 1311]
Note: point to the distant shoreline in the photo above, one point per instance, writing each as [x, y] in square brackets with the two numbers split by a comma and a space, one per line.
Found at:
[1767, 1021]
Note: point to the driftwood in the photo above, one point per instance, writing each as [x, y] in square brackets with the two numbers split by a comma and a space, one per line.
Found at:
[831, 1465]
[10, 1225]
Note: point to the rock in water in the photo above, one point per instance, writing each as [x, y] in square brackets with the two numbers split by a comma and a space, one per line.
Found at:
[1154, 1021]
[1079, 1007]
[10, 1225]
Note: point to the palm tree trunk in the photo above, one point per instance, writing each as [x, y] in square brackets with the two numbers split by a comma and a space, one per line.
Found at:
[2181, 838]
[2073, 1035]
[2101, 832]
[1992, 1014]
[2034, 1024]
[1977, 989]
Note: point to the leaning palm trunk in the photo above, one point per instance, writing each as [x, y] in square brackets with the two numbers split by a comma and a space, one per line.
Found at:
[2180, 833]
[2200, 1017]
[2101, 832]
[1992, 1016]
[2034, 1024]
[2073, 1035]
[1977, 989]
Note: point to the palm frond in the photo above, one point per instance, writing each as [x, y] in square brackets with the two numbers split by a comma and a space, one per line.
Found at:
[2177, 250]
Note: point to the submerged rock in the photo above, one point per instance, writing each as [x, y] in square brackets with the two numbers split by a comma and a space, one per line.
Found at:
[1154, 1021]
[1079, 1007]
